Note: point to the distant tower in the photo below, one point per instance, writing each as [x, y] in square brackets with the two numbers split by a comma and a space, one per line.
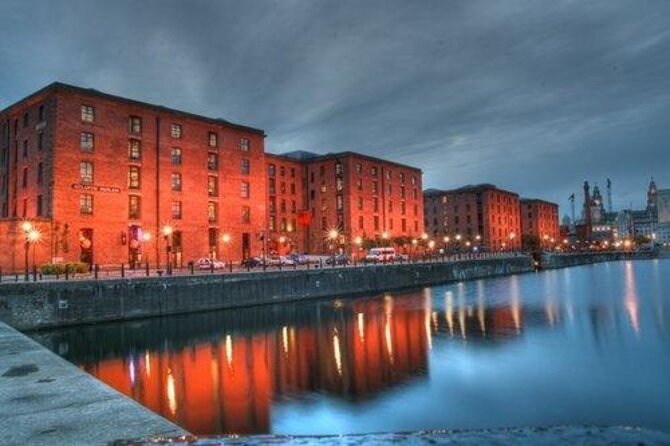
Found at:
[651, 196]
[572, 210]
[587, 205]
[610, 208]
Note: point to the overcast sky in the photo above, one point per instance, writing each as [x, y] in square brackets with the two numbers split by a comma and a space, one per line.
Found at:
[533, 96]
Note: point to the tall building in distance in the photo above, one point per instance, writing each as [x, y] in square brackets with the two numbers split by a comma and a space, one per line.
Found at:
[481, 215]
[539, 218]
[354, 195]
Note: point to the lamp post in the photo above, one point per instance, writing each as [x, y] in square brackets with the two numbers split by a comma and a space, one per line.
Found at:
[167, 237]
[358, 241]
[27, 227]
[225, 238]
[146, 238]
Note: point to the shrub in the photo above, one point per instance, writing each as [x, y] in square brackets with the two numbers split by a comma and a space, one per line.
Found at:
[59, 268]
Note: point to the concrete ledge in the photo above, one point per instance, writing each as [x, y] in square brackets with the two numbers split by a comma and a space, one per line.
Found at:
[558, 435]
[46, 400]
[555, 260]
[29, 306]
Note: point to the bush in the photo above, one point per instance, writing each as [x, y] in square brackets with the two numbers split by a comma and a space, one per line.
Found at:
[59, 268]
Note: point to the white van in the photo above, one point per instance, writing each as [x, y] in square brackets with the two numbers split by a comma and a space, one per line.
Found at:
[376, 255]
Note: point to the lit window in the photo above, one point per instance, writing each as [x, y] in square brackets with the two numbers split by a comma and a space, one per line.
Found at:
[134, 149]
[176, 131]
[176, 210]
[133, 177]
[176, 156]
[212, 186]
[87, 113]
[244, 189]
[176, 181]
[86, 141]
[213, 139]
[244, 144]
[244, 166]
[246, 214]
[212, 213]
[133, 207]
[86, 204]
[213, 161]
[86, 172]
[135, 124]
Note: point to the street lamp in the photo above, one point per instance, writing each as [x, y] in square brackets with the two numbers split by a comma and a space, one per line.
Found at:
[146, 238]
[225, 238]
[167, 236]
[27, 228]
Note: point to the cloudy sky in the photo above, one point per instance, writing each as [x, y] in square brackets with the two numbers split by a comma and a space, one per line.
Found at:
[532, 96]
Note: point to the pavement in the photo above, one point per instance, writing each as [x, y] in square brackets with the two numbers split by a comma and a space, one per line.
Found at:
[46, 400]
[559, 435]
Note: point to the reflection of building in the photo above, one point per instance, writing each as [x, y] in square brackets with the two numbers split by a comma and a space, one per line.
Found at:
[358, 195]
[482, 210]
[228, 383]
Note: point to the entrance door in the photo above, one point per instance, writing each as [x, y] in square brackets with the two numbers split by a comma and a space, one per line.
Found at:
[246, 245]
[134, 242]
[86, 245]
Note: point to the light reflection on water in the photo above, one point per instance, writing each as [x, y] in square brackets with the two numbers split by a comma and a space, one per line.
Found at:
[585, 345]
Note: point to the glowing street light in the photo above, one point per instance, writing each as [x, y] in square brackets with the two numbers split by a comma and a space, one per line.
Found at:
[446, 239]
[431, 244]
[146, 236]
[358, 241]
[167, 230]
[225, 238]
[282, 239]
[458, 237]
[333, 234]
[424, 236]
[26, 226]
[385, 235]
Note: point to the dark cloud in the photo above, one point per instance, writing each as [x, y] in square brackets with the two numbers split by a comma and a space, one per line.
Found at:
[532, 96]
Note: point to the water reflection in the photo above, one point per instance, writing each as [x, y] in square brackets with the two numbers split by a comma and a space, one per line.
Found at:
[251, 370]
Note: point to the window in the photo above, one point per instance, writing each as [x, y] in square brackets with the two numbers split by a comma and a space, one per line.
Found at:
[24, 181]
[374, 187]
[373, 170]
[133, 177]
[39, 206]
[86, 172]
[87, 113]
[246, 214]
[283, 206]
[402, 177]
[133, 207]
[244, 166]
[376, 222]
[175, 131]
[244, 144]
[135, 124]
[134, 149]
[40, 141]
[176, 156]
[24, 212]
[213, 139]
[271, 170]
[272, 186]
[292, 188]
[176, 210]
[40, 114]
[339, 184]
[360, 203]
[86, 141]
[25, 148]
[176, 181]
[361, 222]
[212, 186]
[339, 202]
[272, 223]
[282, 171]
[40, 172]
[324, 223]
[375, 204]
[338, 168]
[359, 168]
[212, 211]
[324, 188]
[244, 189]
[26, 119]
[86, 204]
[359, 184]
[213, 161]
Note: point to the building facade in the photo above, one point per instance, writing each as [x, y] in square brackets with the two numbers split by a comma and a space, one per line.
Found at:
[344, 200]
[481, 216]
[109, 180]
[539, 219]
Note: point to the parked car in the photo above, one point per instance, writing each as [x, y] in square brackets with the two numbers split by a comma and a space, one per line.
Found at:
[252, 262]
[401, 257]
[338, 259]
[378, 255]
[207, 263]
[299, 259]
[286, 261]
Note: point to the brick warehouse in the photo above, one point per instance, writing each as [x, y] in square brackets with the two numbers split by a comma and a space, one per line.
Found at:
[359, 196]
[539, 219]
[481, 215]
[101, 176]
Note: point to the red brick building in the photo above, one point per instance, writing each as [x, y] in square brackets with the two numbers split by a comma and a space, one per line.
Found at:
[481, 215]
[360, 197]
[109, 180]
[102, 177]
[539, 219]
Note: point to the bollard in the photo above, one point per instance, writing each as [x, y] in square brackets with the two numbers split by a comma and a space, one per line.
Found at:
[123, 270]
[34, 273]
[295, 266]
[320, 263]
[280, 265]
[230, 266]
[16, 277]
[146, 266]
[67, 272]
[96, 270]
[211, 267]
